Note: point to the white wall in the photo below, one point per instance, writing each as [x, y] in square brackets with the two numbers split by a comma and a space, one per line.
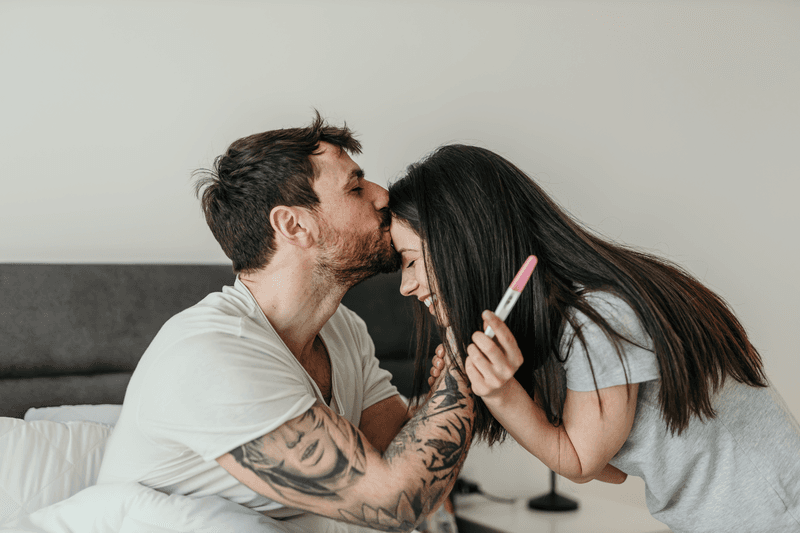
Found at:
[666, 125]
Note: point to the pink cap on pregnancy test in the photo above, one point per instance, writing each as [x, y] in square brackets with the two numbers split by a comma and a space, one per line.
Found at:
[524, 273]
[512, 294]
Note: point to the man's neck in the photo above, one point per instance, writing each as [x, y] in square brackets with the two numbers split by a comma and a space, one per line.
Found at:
[295, 301]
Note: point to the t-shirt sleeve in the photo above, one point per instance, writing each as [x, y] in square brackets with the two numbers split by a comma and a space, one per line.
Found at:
[640, 363]
[377, 381]
[214, 392]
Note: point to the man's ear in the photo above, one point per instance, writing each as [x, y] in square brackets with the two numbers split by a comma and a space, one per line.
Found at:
[294, 224]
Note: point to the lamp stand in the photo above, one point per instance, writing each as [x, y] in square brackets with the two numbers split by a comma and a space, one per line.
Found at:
[552, 501]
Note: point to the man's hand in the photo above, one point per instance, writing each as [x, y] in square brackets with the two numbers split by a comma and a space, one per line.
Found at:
[437, 364]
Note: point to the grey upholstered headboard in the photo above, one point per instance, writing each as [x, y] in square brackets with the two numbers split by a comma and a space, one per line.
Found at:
[73, 333]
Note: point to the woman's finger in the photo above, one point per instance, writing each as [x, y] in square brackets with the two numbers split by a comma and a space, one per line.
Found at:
[502, 334]
[503, 337]
[480, 361]
[475, 377]
[489, 348]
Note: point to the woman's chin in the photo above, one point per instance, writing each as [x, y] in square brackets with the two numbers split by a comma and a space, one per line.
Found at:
[440, 320]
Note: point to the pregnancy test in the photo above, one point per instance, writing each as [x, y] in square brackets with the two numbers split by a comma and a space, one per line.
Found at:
[514, 290]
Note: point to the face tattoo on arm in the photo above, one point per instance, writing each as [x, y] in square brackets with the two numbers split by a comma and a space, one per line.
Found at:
[314, 456]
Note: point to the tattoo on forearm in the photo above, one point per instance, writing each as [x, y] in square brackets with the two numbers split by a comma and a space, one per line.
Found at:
[319, 454]
[443, 400]
[406, 514]
[442, 456]
[450, 396]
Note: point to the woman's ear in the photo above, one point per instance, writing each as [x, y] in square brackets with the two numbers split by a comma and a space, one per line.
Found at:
[295, 225]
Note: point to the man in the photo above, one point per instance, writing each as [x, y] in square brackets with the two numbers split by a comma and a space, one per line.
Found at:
[269, 393]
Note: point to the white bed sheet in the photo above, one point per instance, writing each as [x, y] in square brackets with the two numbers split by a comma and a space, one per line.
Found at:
[133, 508]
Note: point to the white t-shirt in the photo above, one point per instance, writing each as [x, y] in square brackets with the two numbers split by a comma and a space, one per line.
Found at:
[218, 376]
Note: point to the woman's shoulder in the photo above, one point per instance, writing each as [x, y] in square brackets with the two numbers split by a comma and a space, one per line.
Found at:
[596, 359]
[610, 307]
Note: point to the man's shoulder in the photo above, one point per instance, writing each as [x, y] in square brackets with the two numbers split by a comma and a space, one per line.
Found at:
[215, 341]
[217, 312]
[220, 327]
[230, 301]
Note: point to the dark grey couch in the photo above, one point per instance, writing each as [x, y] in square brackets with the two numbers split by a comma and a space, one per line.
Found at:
[72, 334]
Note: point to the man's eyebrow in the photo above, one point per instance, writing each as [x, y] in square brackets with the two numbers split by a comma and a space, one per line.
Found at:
[355, 175]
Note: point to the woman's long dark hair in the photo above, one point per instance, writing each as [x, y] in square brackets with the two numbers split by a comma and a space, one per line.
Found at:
[479, 217]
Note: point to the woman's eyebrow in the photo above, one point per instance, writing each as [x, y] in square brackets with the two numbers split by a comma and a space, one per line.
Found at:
[404, 250]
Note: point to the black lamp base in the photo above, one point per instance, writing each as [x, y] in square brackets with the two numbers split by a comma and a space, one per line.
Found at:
[552, 501]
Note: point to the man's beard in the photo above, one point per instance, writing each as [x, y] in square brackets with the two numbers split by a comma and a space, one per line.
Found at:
[350, 259]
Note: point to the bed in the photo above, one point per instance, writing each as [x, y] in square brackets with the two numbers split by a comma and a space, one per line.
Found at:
[71, 335]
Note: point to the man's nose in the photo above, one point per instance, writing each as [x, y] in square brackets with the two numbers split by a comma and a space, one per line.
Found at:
[380, 196]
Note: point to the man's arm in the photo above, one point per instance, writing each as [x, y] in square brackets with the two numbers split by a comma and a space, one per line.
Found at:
[321, 463]
[380, 423]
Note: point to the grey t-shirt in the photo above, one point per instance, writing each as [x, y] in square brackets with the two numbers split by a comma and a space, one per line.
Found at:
[739, 471]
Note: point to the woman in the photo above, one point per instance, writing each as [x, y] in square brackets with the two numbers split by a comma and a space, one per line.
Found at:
[613, 362]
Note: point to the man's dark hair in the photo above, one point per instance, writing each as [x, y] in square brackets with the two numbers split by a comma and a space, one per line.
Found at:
[254, 175]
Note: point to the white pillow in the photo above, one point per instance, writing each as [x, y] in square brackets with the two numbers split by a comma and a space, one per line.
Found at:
[134, 508]
[104, 414]
[43, 462]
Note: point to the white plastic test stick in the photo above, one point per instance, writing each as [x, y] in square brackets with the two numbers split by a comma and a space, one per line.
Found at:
[514, 290]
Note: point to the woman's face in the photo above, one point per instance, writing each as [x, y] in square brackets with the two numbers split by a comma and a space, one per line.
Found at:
[415, 279]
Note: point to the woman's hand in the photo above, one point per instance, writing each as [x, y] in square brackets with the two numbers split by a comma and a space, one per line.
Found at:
[491, 364]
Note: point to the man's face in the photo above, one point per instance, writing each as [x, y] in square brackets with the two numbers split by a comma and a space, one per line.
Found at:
[354, 220]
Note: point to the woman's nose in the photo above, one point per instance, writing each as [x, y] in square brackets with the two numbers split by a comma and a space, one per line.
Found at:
[408, 285]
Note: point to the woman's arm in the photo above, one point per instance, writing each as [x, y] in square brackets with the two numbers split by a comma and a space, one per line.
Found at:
[580, 448]
[611, 474]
